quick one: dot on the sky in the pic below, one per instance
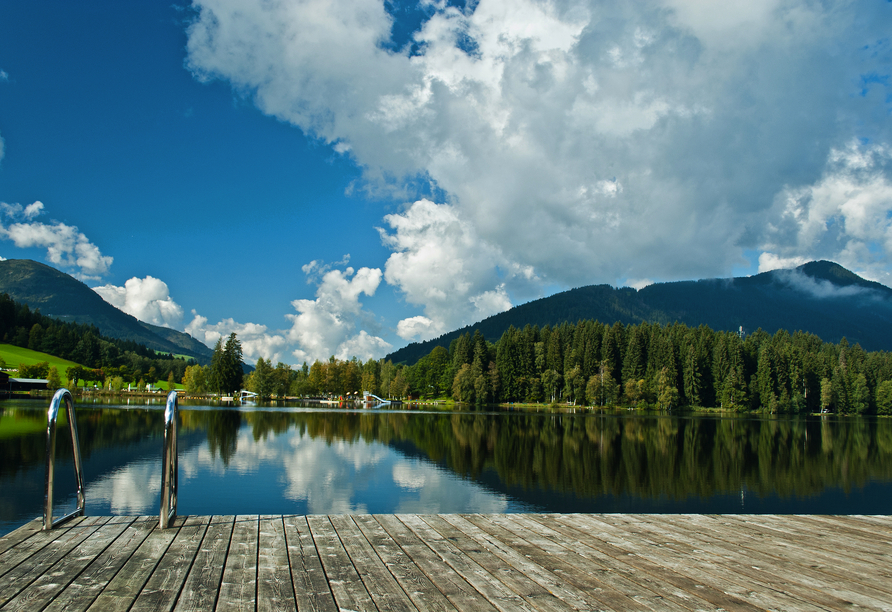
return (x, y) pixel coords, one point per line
(345, 177)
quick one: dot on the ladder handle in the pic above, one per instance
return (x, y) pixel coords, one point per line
(51, 415)
(169, 462)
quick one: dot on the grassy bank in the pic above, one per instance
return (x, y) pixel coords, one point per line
(14, 355)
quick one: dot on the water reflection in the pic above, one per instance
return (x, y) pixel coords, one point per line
(303, 460)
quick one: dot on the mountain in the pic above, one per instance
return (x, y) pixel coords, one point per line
(820, 297)
(60, 296)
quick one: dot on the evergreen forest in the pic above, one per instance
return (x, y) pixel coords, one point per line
(105, 358)
(645, 366)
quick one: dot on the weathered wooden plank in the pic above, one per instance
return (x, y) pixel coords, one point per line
(777, 559)
(238, 590)
(791, 549)
(203, 582)
(275, 590)
(561, 556)
(422, 592)
(556, 586)
(127, 583)
(672, 571)
(40, 592)
(383, 588)
(89, 584)
(859, 531)
(586, 583)
(663, 563)
(20, 535)
(614, 567)
(759, 578)
(166, 582)
(515, 580)
(311, 590)
(349, 591)
(879, 522)
(446, 541)
(762, 566)
(31, 567)
(819, 539)
(27, 547)
(455, 579)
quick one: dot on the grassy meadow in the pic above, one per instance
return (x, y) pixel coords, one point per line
(14, 355)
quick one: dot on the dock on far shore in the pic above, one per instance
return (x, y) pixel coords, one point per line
(480, 562)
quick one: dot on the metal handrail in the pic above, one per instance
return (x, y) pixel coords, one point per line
(169, 462)
(51, 415)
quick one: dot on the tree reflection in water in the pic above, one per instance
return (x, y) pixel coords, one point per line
(533, 457)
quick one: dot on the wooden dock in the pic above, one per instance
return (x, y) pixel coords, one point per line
(452, 562)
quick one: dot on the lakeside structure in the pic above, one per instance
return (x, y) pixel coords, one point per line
(451, 562)
(466, 561)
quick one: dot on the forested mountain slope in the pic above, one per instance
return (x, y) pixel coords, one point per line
(63, 297)
(819, 297)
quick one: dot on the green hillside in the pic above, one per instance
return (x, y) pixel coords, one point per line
(14, 355)
(820, 297)
(63, 297)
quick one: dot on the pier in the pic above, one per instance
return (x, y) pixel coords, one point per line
(451, 562)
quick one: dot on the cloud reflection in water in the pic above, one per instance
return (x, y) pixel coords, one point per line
(293, 472)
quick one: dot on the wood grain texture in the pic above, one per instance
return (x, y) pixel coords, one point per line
(311, 589)
(441, 563)
(203, 583)
(238, 590)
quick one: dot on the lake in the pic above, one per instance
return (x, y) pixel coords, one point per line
(281, 459)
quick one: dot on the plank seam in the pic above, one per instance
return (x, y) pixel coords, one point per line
(96, 556)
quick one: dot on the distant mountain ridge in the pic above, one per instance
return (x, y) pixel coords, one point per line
(63, 297)
(820, 297)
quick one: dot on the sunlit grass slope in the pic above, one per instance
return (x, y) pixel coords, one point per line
(14, 355)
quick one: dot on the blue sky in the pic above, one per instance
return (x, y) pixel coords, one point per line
(341, 178)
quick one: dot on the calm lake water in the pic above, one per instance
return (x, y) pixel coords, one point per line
(305, 460)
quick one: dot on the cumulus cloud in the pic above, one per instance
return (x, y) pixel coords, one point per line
(65, 245)
(440, 263)
(844, 216)
(148, 299)
(329, 324)
(257, 341)
(823, 288)
(576, 141)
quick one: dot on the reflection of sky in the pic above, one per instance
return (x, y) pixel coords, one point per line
(294, 473)
(131, 489)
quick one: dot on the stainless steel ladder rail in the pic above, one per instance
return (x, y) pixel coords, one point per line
(169, 462)
(52, 413)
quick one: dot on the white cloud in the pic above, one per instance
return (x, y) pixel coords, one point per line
(638, 283)
(256, 340)
(576, 141)
(148, 299)
(328, 325)
(441, 264)
(65, 245)
(824, 288)
(844, 216)
(770, 261)
(415, 327)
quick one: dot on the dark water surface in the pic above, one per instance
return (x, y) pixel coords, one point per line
(305, 460)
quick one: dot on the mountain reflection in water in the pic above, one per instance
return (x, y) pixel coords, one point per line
(303, 460)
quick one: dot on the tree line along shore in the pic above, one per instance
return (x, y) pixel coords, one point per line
(588, 363)
(645, 366)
